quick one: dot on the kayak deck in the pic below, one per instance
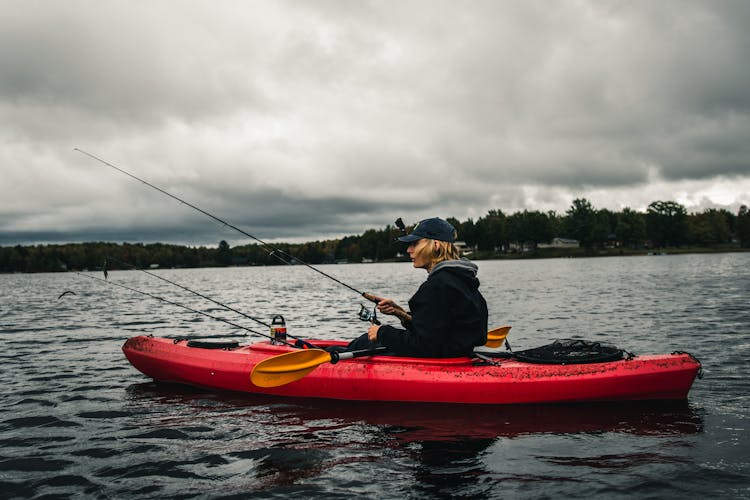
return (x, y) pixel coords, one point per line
(436, 380)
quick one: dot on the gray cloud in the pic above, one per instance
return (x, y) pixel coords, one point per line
(311, 120)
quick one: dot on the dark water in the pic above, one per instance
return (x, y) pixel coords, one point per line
(77, 420)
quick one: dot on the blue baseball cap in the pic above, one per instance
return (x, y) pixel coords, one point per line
(434, 229)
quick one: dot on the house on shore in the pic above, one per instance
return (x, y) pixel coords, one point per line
(462, 247)
(560, 243)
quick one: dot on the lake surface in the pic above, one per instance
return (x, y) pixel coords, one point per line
(76, 420)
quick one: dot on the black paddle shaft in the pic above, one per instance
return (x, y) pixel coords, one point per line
(338, 356)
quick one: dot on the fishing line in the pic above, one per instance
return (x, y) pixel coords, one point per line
(230, 308)
(187, 308)
(272, 250)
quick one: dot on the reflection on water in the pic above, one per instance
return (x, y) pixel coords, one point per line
(446, 446)
(441, 422)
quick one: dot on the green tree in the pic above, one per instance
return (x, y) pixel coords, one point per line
(743, 226)
(344, 248)
(311, 253)
(491, 231)
(466, 231)
(666, 223)
(603, 229)
(555, 224)
(710, 228)
(530, 227)
(224, 254)
(17, 259)
(371, 243)
(580, 222)
(630, 227)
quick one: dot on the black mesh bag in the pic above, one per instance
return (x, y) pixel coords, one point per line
(571, 352)
(207, 344)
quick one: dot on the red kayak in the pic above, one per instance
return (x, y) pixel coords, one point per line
(389, 378)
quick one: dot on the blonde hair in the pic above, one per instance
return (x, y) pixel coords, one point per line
(443, 251)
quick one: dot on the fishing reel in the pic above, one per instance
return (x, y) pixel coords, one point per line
(401, 227)
(371, 316)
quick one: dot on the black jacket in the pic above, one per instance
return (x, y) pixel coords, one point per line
(449, 315)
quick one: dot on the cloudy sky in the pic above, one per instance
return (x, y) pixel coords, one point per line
(307, 120)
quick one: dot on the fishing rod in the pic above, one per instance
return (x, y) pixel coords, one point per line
(190, 309)
(230, 308)
(276, 252)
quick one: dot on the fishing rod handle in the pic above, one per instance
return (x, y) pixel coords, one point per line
(397, 311)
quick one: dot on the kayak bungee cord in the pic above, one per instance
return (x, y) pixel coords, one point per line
(272, 250)
(275, 339)
(229, 308)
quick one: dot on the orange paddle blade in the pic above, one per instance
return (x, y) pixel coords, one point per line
(289, 367)
(496, 337)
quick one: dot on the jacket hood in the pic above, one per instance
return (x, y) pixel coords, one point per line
(462, 267)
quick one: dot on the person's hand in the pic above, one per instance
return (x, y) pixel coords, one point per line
(372, 333)
(388, 306)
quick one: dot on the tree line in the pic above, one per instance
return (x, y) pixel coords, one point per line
(665, 224)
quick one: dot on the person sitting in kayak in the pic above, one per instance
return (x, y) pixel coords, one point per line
(448, 313)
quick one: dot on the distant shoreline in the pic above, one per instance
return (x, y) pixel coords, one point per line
(34, 264)
(550, 253)
(666, 228)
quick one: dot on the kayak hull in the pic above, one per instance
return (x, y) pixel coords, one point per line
(388, 378)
